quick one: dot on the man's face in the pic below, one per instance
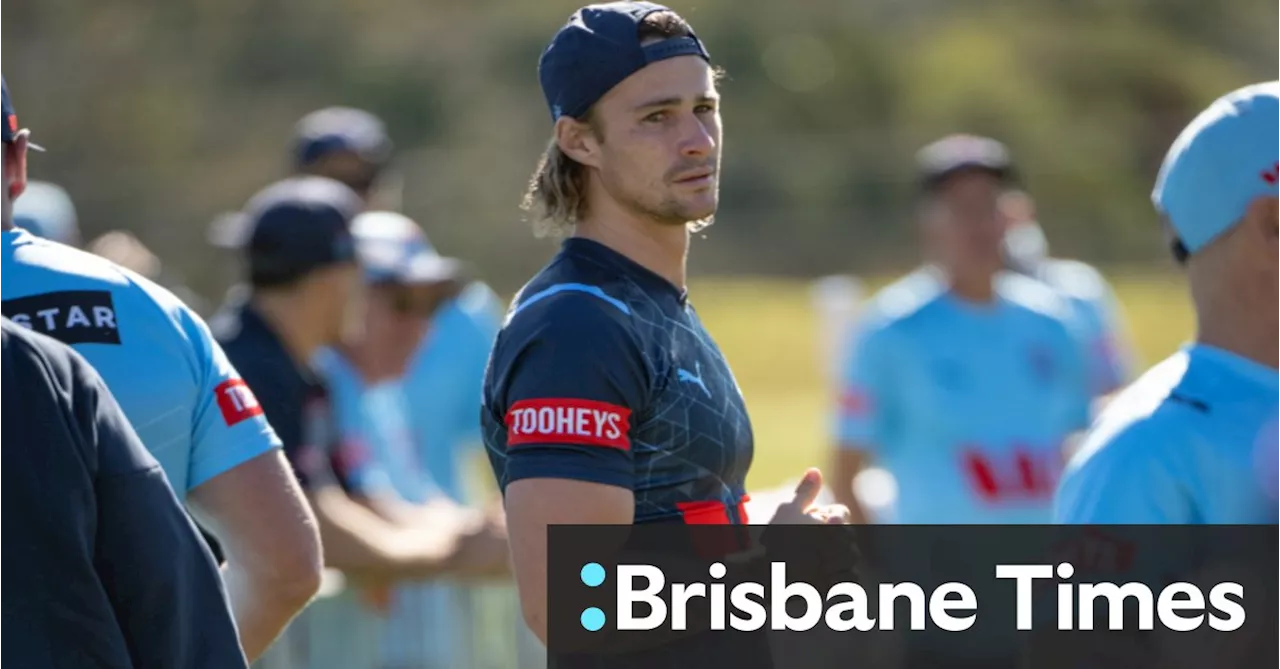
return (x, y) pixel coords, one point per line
(348, 168)
(398, 315)
(340, 291)
(964, 226)
(659, 141)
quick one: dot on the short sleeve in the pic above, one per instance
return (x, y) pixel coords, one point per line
(866, 397)
(479, 319)
(228, 425)
(1111, 351)
(570, 384)
(1078, 378)
(1124, 477)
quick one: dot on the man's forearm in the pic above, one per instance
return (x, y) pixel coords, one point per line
(261, 606)
(363, 545)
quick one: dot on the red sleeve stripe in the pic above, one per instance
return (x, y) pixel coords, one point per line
(855, 402)
(569, 421)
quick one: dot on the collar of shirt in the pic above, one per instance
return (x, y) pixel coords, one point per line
(254, 326)
(649, 280)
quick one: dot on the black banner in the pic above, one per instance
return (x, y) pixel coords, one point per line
(908, 597)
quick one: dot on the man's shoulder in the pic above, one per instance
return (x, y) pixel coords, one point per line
(558, 299)
(1149, 419)
(1033, 297)
(1075, 279)
(904, 300)
(44, 269)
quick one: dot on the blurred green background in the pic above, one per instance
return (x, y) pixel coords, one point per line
(771, 335)
(160, 115)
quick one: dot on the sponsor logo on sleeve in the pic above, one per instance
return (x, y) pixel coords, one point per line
(70, 316)
(568, 421)
(236, 401)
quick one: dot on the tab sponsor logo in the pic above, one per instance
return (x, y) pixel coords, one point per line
(568, 421)
(236, 401)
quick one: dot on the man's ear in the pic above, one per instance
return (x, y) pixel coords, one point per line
(1262, 216)
(578, 141)
(15, 166)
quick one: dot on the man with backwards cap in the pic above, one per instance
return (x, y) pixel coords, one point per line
(304, 294)
(188, 404)
(964, 380)
(604, 334)
(1194, 439)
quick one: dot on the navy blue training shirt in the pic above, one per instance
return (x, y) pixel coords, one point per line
(292, 396)
(102, 566)
(604, 373)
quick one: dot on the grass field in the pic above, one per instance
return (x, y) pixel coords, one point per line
(768, 329)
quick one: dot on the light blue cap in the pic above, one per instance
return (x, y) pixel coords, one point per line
(1222, 161)
(46, 210)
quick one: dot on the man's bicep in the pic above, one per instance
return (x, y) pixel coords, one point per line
(865, 400)
(229, 424)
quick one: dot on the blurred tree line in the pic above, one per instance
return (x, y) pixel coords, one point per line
(158, 116)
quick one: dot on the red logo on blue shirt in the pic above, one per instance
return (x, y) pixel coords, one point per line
(568, 421)
(236, 401)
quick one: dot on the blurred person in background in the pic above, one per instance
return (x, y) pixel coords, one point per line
(964, 380)
(416, 426)
(605, 331)
(1110, 352)
(1194, 439)
(304, 293)
(106, 568)
(441, 373)
(184, 398)
(46, 210)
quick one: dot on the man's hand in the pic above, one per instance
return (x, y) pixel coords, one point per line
(801, 510)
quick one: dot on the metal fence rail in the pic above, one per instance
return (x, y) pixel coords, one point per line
(487, 632)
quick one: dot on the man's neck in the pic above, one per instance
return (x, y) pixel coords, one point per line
(1241, 332)
(975, 287)
(288, 318)
(661, 248)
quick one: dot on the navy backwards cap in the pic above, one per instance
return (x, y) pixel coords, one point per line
(335, 129)
(962, 153)
(10, 121)
(297, 226)
(598, 48)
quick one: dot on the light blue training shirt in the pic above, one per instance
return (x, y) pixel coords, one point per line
(966, 405)
(184, 398)
(1193, 441)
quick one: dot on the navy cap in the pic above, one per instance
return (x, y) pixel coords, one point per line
(11, 128)
(1220, 163)
(297, 226)
(598, 48)
(963, 153)
(341, 129)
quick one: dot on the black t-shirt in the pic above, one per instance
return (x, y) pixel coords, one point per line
(102, 566)
(293, 398)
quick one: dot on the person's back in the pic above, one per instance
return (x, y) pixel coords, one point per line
(193, 412)
(1199, 430)
(103, 568)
